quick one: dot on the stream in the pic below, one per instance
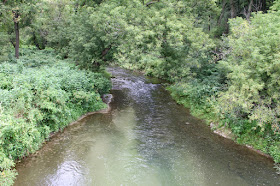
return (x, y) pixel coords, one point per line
(146, 139)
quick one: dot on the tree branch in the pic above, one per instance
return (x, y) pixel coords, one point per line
(151, 2)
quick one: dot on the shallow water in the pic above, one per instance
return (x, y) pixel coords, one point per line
(147, 139)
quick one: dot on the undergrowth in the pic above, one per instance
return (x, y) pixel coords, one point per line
(40, 94)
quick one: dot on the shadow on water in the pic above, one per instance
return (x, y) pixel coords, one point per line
(146, 139)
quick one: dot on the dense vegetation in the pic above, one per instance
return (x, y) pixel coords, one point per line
(221, 58)
(40, 94)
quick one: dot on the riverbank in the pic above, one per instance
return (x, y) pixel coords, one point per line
(200, 99)
(225, 127)
(106, 98)
(40, 95)
(201, 95)
(146, 139)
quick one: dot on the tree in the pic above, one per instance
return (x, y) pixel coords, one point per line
(240, 8)
(51, 25)
(16, 19)
(253, 71)
(22, 12)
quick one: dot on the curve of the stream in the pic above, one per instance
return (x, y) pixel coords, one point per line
(146, 139)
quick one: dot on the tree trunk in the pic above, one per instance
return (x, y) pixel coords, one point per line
(152, 2)
(16, 23)
(222, 12)
(209, 20)
(248, 15)
(232, 9)
(264, 6)
(105, 52)
(17, 41)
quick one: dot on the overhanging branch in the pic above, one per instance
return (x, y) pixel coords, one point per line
(151, 2)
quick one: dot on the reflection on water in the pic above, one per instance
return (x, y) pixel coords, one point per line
(147, 139)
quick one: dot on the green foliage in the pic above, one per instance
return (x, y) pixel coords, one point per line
(26, 10)
(155, 37)
(7, 175)
(197, 96)
(162, 41)
(232, 80)
(5, 46)
(253, 70)
(92, 37)
(42, 94)
(241, 92)
(247, 99)
(276, 6)
(88, 2)
(253, 92)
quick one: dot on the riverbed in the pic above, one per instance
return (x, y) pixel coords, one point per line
(146, 139)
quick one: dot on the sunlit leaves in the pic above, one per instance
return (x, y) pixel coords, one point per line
(253, 69)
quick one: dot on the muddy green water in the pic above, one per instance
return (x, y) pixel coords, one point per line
(147, 139)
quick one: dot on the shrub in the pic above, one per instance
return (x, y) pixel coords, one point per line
(41, 94)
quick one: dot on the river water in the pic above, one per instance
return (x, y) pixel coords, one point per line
(146, 139)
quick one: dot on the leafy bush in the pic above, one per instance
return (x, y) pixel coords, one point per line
(162, 41)
(253, 66)
(5, 46)
(40, 97)
(253, 72)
